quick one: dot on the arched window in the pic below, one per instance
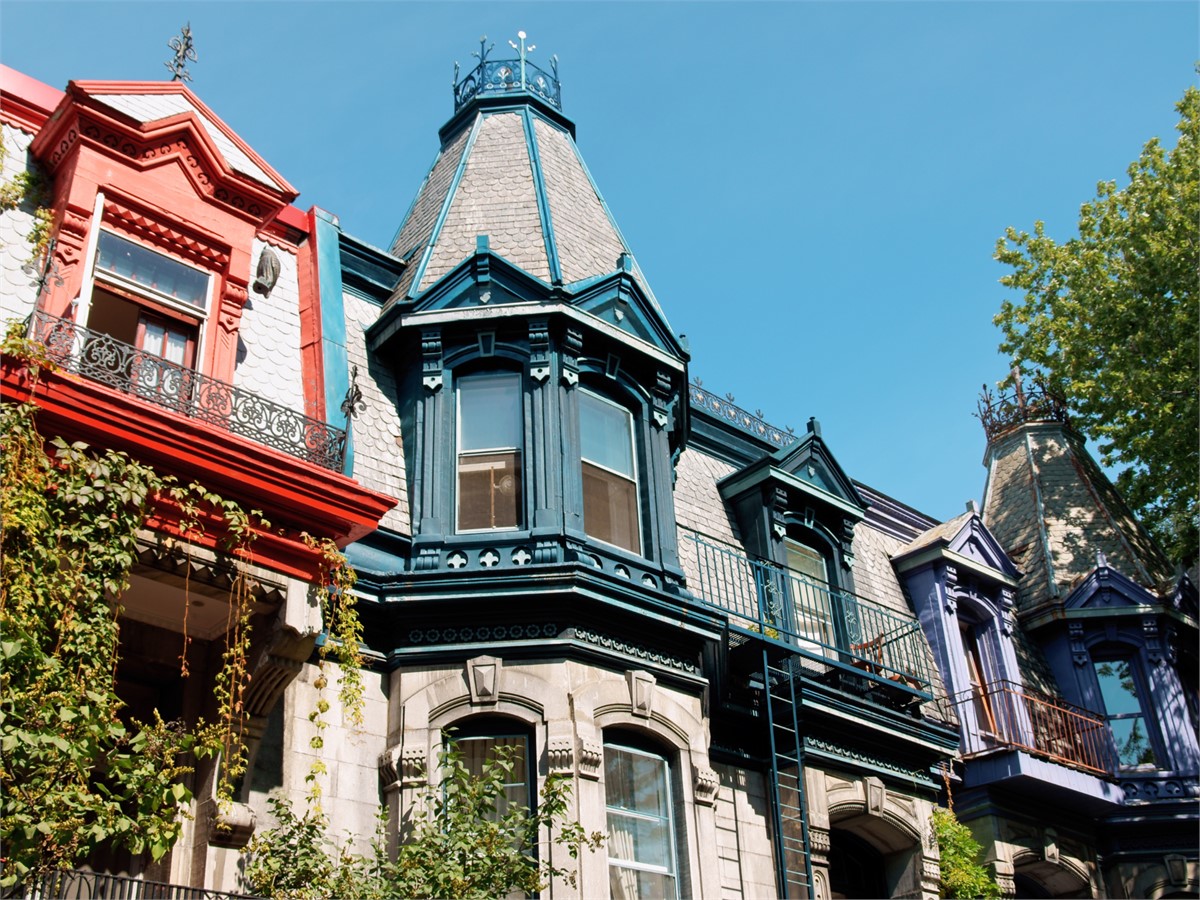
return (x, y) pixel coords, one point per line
(480, 740)
(610, 478)
(641, 826)
(490, 438)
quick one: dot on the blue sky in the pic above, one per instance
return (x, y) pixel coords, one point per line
(813, 190)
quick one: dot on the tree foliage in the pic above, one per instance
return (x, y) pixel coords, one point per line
(1110, 320)
(466, 841)
(963, 876)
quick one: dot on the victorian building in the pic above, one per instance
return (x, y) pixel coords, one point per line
(760, 675)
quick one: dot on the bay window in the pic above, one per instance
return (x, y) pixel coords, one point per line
(641, 830)
(490, 429)
(610, 484)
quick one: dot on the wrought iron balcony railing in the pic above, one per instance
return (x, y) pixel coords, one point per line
(99, 357)
(830, 629)
(1005, 715)
(80, 885)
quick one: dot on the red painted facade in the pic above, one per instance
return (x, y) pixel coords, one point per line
(167, 186)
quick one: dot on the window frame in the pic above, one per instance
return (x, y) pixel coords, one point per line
(1141, 693)
(150, 302)
(621, 743)
(634, 479)
(518, 451)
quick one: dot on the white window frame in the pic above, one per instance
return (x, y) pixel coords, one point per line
(672, 871)
(636, 479)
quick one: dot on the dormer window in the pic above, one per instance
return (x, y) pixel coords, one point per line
(146, 271)
(1123, 709)
(490, 428)
(808, 593)
(610, 485)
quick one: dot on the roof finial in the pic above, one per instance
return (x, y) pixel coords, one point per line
(522, 50)
(185, 52)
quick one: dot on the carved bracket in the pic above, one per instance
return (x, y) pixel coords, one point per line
(705, 784)
(560, 755)
(591, 755)
(1079, 653)
(571, 348)
(539, 349)
(431, 358)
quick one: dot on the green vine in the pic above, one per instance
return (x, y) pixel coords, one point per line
(29, 188)
(963, 875)
(76, 770)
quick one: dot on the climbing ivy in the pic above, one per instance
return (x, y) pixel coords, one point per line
(30, 189)
(76, 770)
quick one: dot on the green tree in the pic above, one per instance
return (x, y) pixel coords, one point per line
(465, 840)
(963, 876)
(1110, 320)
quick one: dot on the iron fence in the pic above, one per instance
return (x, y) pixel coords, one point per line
(1005, 715)
(101, 358)
(831, 628)
(81, 885)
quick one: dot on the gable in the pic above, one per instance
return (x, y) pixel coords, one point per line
(1106, 589)
(811, 461)
(976, 543)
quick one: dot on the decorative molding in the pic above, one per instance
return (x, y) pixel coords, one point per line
(483, 678)
(482, 634)
(661, 399)
(641, 693)
(812, 743)
(636, 650)
(1152, 788)
(1154, 644)
(431, 358)
(778, 510)
(950, 574)
(539, 349)
(560, 755)
(876, 795)
(705, 784)
(754, 425)
(591, 756)
(1079, 652)
(572, 346)
(151, 230)
(819, 840)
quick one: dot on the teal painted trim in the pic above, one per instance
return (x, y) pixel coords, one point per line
(333, 327)
(539, 188)
(451, 190)
(416, 197)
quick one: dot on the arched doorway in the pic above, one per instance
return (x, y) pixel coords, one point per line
(856, 869)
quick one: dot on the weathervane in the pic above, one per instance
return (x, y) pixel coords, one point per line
(185, 52)
(522, 50)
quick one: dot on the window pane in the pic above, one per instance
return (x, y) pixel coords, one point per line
(1116, 687)
(641, 839)
(145, 267)
(489, 491)
(630, 884)
(489, 413)
(806, 562)
(1133, 745)
(606, 434)
(610, 508)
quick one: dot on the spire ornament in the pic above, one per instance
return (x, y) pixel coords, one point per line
(495, 76)
(185, 52)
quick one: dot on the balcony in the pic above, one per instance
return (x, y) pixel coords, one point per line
(827, 630)
(1007, 716)
(100, 358)
(81, 885)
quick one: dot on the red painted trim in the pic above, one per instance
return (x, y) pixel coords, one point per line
(312, 359)
(294, 496)
(24, 101)
(100, 88)
(294, 218)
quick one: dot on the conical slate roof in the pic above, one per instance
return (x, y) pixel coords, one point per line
(509, 169)
(1053, 510)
